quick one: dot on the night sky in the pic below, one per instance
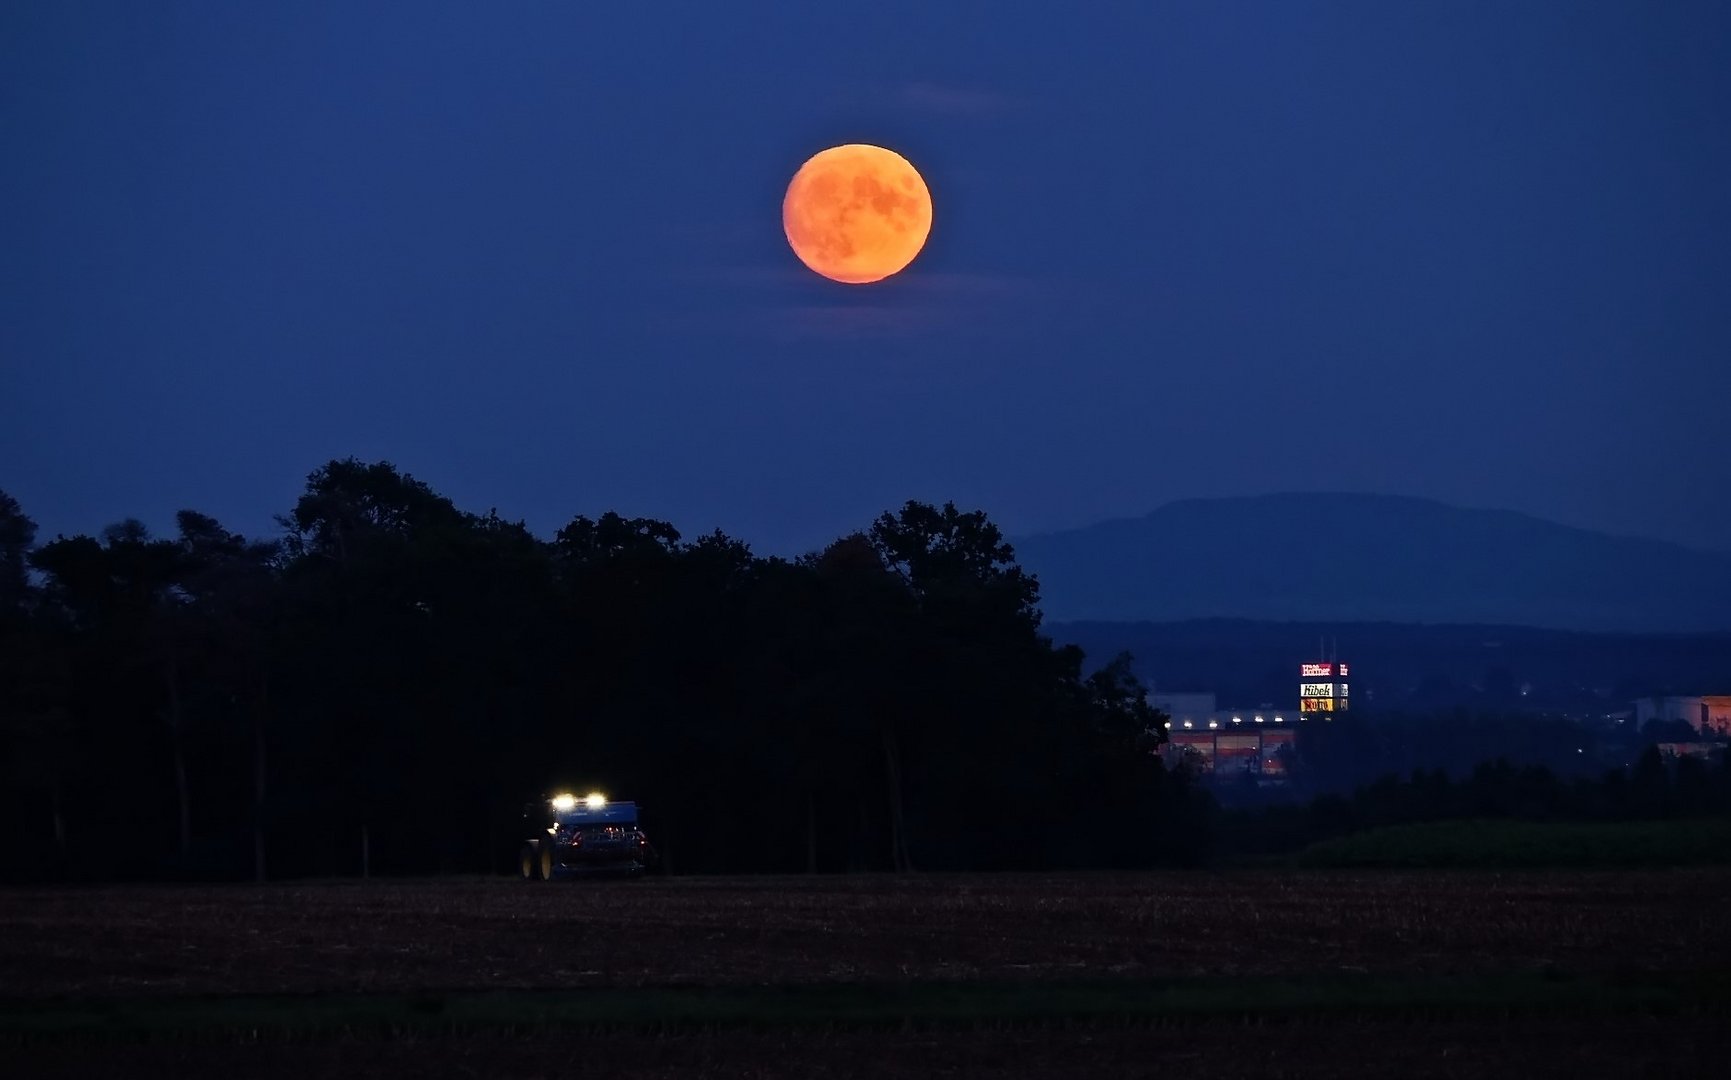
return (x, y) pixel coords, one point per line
(533, 255)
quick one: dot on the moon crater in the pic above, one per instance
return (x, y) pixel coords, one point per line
(857, 213)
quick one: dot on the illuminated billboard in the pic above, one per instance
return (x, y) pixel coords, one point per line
(1317, 704)
(1316, 671)
(1317, 689)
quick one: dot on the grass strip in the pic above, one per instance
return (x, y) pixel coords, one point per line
(1508, 845)
(855, 1006)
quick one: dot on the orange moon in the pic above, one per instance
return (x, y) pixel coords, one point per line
(857, 213)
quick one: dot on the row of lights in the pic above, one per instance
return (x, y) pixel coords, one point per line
(1212, 724)
(594, 801)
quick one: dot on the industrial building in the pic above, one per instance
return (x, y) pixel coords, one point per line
(1227, 742)
(1248, 742)
(1323, 690)
(1709, 715)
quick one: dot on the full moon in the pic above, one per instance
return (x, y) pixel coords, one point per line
(857, 213)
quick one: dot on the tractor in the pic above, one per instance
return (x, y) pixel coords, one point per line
(570, 837)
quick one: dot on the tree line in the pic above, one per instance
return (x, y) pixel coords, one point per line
(1652, 788)
(383, 687)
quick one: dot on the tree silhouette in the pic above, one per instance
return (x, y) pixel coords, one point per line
(383, 689)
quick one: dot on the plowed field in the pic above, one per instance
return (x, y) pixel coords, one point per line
(154, 959)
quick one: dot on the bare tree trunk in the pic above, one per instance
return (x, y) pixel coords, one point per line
(59, 820)
(899, 860)
(174, 733)
(810, 831)
(258, 775)
(859, 847)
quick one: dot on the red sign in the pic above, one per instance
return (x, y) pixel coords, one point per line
(1311, 671)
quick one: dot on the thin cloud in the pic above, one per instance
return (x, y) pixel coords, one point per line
(914, 279)
(789, 302)
(955, 100)
(837, 322)
(952, 284)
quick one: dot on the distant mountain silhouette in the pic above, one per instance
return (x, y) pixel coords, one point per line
(1373, 558)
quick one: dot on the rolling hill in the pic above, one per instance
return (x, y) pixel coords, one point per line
(1364, 558)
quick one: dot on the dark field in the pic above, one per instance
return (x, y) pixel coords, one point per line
(1528, 844)
(1367, 1049)
(1296, 973)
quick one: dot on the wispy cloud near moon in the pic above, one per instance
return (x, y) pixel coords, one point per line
(955, 100)
(831, 322)
(921, 305)
(787, 303)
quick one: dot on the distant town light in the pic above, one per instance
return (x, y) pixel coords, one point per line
(1186, 723)
(1213, 724)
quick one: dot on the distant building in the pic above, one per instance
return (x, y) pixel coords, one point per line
(1704, 750)
(1224, 743)
(1710, 715)
(1232, 743)
(1323, 690)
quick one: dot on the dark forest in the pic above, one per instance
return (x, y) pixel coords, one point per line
(383, 688)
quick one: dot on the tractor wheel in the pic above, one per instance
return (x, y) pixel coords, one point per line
(527, 862)
(545, 866)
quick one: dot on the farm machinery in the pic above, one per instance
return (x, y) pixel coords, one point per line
(571, 836)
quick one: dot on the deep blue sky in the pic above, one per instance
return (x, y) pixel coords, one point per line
(533, 254)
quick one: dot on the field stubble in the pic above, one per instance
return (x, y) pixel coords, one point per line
(400, 936)
(1552, 1047)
